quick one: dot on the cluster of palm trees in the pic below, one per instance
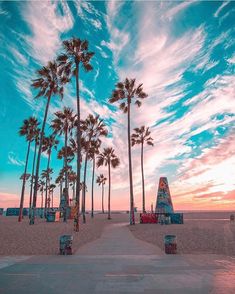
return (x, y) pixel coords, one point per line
(81, 139)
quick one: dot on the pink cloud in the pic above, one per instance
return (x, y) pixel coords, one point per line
(211, 157)
(196, 191)
(218, 196)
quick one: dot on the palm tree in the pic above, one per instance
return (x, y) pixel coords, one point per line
(59, 180)
(51, 191)
(93, 151)
(101, 179)
(63, 124)
(48, 143)
(140, 136)
(92, 129)
(24, 177)
(108, 158)
(126, 92)
(41, 185)
(49, 82)
(72, 180)
(35, 138)
(75, 54)
(28, 130)
(66, 152)
(46, 174)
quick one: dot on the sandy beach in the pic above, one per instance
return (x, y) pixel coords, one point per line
(201, 233)
(208, 233)
(42, 238)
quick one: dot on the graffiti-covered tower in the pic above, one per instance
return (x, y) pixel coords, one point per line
(164, 202)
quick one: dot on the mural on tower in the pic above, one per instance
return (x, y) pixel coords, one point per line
(164, 202)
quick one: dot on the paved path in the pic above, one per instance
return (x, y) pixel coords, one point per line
(118, 263)
(118, 240)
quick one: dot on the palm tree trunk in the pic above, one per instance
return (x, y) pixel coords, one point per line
(60, 190)
(142, 171)
(132, 214)
(92, 188)
(42, 204)
(109, 213)
(76, 215)
(66, 175)
(102, 198)
(32, 219)
(84, 191)
(52, 199)
(32, 176)
(73, 192)
(47, 184)
(23, 185)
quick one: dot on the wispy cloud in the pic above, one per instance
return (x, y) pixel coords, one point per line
(211, 157)
(13, 159)
(3, 12)
(46, 24)
(89, 14)
(172, 12)
(118, 38)
(224, 4)
(19, 57)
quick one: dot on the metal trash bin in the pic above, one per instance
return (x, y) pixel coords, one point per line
(66, 244)
(232, 218)
(170, 244)
(167, 220)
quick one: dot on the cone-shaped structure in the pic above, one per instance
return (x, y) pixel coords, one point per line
(164, 203)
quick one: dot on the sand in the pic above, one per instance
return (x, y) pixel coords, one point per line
(201, 233)
(42, 238)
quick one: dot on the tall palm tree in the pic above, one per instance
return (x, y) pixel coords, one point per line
(51, 193)
(140, 136)
(49, 82)
(76, 54)
(93, 151)
(63, 124)
(35, 138)
(66, 153)
(48, 143)
(92, 129)
(126, 93)
(101, 179)
(46, 174)
(60, 180)
(72, 180)
(28, 131)
(24, 177)
(41, 188)
(108, 158)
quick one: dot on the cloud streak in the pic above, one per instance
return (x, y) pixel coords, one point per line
(13, 159)
(46, 26)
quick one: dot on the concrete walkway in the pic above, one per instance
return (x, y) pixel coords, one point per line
(118, 263)
(117, 239)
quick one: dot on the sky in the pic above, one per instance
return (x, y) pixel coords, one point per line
(182, 52)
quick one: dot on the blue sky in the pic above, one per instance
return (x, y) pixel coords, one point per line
(182, 52)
